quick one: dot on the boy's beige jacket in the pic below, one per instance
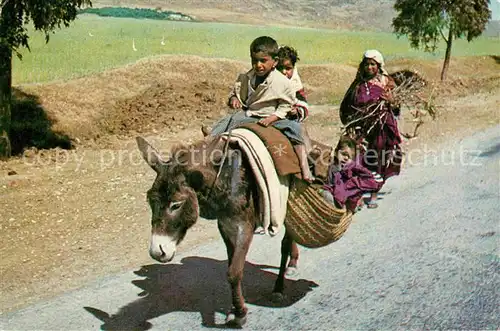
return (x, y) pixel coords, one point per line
(275, 96)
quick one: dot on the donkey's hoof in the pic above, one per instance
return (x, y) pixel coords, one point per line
(277, 297)
(234, 321)
(292, 271)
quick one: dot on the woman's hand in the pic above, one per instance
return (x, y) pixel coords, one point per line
(234, 103)
(387, 96)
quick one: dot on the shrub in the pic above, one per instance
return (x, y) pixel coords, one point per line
(139, 13)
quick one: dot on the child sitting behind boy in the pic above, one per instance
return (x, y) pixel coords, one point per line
(287, 58)
(266, 97)
(347, 178)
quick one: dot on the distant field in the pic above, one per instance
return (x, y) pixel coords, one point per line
(73, 52)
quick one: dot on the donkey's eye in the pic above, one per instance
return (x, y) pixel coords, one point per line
(174, 205)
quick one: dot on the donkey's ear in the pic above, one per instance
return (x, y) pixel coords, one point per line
(149, 154)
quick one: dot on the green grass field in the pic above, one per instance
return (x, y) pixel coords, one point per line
(73, 52)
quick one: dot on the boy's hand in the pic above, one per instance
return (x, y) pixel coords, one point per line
(268, 120)
(234, 103)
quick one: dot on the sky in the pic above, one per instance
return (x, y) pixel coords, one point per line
(495, 10)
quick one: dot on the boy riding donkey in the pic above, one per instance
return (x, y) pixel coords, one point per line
(265, 96)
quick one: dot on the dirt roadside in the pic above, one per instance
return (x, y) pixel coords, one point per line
(70, 217)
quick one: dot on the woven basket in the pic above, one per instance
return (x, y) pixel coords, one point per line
(311, 221)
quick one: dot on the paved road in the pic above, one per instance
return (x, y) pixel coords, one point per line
(427, 258)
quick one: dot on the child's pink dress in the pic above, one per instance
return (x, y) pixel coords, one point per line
(348, 184)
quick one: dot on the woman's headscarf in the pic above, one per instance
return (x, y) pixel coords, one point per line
(377, 56)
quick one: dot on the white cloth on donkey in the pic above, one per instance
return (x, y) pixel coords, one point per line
(273, 189)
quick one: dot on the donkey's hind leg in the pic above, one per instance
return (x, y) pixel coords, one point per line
(286, 246)
(237, 236)
(292, 268)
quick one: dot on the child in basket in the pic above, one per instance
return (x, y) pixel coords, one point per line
(347, 178)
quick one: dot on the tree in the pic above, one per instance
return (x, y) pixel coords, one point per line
(46, 16)
(425, 22)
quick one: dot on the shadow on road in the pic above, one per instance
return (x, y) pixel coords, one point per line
(492, 151)
(198, 284)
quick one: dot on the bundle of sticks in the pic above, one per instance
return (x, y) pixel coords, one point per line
(411, 93)
(368, 118)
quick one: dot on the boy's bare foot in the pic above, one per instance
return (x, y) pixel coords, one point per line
(300, 150)
(306, 173)
(308, 178)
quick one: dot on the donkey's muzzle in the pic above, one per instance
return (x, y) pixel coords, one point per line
(162, 248)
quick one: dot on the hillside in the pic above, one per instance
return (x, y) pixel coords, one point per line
(93, 110)
(348, 14)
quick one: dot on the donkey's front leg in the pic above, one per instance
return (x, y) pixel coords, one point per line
(286, 246)
(237, 237)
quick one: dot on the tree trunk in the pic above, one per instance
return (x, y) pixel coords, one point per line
(5, 100)
(447, 55)
(5, 88)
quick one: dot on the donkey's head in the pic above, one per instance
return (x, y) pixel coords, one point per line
(172, 199)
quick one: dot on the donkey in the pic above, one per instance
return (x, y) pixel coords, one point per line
(189, 185)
